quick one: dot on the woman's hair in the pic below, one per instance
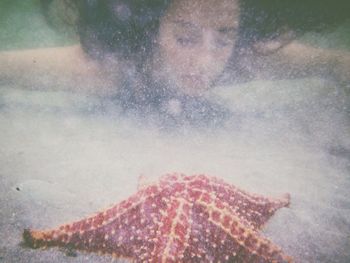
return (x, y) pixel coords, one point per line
(124, 26)
(266, 19)
(130, 26)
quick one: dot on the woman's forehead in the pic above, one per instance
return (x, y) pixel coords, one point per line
(205, 13)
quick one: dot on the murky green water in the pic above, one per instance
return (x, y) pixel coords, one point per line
(23, 26)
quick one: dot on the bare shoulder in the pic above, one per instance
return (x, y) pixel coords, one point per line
(56, 67)
(332, 61)
(298, 59)
(54, 58)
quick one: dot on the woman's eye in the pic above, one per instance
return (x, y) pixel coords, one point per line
(185, 41)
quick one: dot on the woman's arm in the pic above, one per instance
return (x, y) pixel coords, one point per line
(62, 68)
(39, 65)
(298, 59)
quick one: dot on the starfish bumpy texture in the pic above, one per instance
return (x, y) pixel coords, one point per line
(178, 219)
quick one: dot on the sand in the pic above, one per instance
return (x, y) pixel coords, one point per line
(61, 160)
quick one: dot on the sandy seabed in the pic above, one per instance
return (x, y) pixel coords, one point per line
(60, 162)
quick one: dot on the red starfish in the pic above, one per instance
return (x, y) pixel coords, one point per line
(179, 219)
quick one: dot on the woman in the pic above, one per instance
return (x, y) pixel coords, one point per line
(161, 56)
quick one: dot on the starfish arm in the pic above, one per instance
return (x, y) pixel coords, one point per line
(173, 232)
(115, 231)
(253, 208)
(234, 237)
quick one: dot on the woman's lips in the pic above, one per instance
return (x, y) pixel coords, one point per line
(195, 80)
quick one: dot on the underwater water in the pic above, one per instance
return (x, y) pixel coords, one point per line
(63, 156)
(59, 164)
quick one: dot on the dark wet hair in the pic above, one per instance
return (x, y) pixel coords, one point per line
(124, 26)
(266, 19)
(130, 26)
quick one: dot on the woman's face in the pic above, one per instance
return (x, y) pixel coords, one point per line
(196, 39)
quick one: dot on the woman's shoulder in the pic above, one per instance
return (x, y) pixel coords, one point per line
(66, 67)
(60, 57)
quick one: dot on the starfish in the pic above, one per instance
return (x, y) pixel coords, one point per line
(180, 218)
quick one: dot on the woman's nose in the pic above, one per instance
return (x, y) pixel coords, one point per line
(206, 55)
(206, 63)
